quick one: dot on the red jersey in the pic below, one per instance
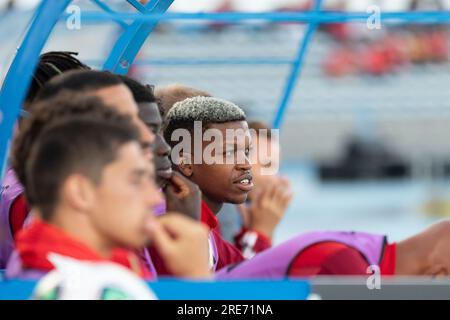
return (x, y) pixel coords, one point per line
(226, 252)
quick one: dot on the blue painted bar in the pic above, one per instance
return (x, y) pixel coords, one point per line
(296, 70)
(21, 70)
(231, 290)
(195, 62)
(325, 17)
(193, 290)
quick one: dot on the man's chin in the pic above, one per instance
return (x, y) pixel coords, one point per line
(238, 199)
(163, 177)
(161, 182)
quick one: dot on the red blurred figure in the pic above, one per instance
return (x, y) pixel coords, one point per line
(438, 46)
(340, 62)
(339, 31)
(375, 61)
(396, 50)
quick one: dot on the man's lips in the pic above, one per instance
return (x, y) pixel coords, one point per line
(164, 173)
(244, 182)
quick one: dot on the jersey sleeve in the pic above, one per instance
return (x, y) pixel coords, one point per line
(250, 242)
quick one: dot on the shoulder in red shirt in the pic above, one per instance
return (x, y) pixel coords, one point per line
(35, 242)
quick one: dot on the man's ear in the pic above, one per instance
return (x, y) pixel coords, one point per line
(79, 192)
(185, 166)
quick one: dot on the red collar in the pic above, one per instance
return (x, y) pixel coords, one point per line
(34, 242)
(208, 217)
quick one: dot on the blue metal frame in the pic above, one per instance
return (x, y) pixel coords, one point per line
(130, 42)
(20, 73)
(138, 6)
(322, 17)
(106, 8)
(296, 69)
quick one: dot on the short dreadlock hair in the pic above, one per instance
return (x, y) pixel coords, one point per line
(52, 64)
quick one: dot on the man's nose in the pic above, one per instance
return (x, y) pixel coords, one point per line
(162, 148)
(147, 137)
(244, 165)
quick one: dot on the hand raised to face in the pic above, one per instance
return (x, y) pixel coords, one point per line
(182, 243)
(183, 196)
